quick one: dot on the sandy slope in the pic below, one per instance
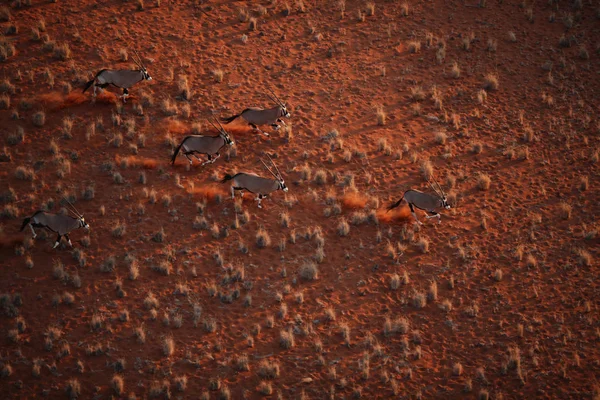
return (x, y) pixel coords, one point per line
(531, 332)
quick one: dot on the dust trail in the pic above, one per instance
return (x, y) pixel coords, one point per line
(397, 214)
(137, 162)
(177, 127)
(209, 192)
(56, 101)
(354, 200)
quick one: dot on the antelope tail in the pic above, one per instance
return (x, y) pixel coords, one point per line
(176, 152)
(394, 205)
(227, 178)
(25, 222)
(228, 120)
(87, 85)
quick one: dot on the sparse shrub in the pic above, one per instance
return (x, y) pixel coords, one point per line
(498, 275)
(404, 9)
(38, 119)
(483, 181)
(164, 268)
(343, 227)
(309, 271)
(423, 245)
(490, 82)
(262, 238)
(119, 229)
(159, 236)
(151, 301)
(397, 326)
(117, 385)
(62, 52)
(168, 346)
(24, 174)
(381, 116)
(455, 70)
(440, 138)
(419, 300)
(414, 46)
(181, 383)
(565, 210)
(73, 389)
(584, 183)
(286, 339)
(253, 24)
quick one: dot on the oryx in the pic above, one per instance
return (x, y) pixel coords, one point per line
(425, 201)
(256, 184)
(60, 224)
(209, 145)
(121, 78)
(258, 116)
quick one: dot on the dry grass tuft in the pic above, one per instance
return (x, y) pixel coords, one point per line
(262, 238)
(490, 82)
(168, 346)
(309, 271)
(343, 227)
(286, 339)
(381, 116)
(483, 181)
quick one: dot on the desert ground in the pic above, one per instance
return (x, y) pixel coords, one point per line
(178, 291)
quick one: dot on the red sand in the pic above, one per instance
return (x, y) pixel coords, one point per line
(514, 270)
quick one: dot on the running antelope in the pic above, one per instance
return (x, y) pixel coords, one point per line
(209, 145)
(256, 184)
(425, 201)
(121, 78)
(258, 116)
(59, 224)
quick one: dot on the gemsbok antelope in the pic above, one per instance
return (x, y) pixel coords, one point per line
(59, 224)
(256, 184)
(257, 116)
(209, 145)
(121, 78)
(425, 201)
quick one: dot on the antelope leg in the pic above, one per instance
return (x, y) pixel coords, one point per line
(412, 210)
(32, 231)
(189, 159)
(215, 159)
(275, 126)
(434, 215)
(69, 240)
(57, 242)
(259, 199)
(124, 96)
(282, 121)
(232, 192)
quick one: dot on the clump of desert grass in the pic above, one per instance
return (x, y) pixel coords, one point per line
(490, 82)
(262, 238)
(309, 271)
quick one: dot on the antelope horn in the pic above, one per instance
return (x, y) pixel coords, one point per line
(268, 169)
(434, 188)
(214, 126)
(73, 209)
(274, 95)
(277, 169)
(218, 122)
(139, 59)
(271, 98)
(439, 187)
